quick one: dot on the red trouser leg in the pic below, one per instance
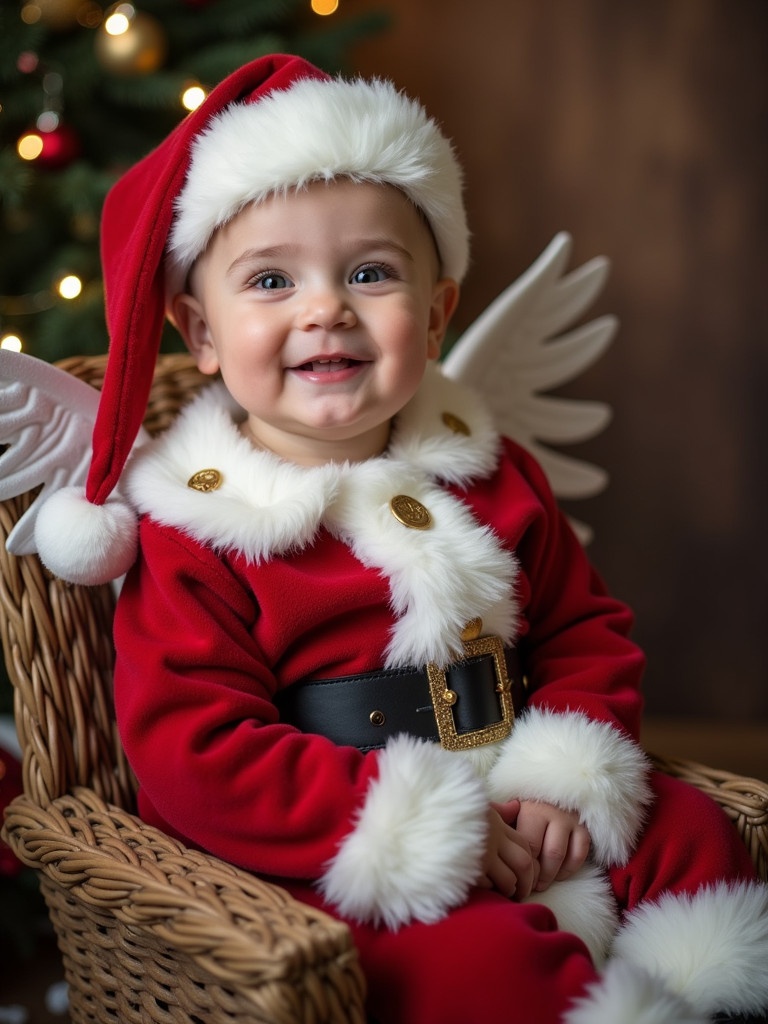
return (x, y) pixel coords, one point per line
(488, 961)
(687, 842)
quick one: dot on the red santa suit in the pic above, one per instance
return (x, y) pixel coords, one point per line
(279, 574)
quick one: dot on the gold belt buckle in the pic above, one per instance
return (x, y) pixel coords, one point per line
(443, 699)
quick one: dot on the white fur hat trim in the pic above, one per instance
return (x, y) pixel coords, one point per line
(319, 130)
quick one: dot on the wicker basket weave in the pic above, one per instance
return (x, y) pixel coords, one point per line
(149, 930)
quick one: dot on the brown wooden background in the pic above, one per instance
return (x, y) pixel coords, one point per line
(640, 126)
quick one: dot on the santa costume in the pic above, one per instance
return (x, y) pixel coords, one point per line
(325, 674)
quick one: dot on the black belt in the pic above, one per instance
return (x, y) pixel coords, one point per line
(471, 703)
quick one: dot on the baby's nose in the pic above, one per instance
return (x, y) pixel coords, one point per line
(327, 307)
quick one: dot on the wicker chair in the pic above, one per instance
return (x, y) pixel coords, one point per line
(150, 930)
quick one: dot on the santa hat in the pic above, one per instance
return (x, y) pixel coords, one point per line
(276, 124)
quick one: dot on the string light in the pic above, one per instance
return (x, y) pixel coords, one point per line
(119, 19)
(11, 342)
(325, 6)
(130, 41)
(69, 287)
(29, 146)
(192, 97)
(48, 121)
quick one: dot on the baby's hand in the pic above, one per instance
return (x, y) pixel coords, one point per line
(556, 838)
(508, 864)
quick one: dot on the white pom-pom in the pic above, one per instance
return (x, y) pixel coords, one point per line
(85, 543)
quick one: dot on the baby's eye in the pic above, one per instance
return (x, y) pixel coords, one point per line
(371, 274)
(271, 280)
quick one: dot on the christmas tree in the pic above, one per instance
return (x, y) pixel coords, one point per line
(86, 89)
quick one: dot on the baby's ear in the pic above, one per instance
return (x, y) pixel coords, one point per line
(189, 317)
(445, 298)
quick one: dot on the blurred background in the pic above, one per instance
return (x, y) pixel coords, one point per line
(640, 128)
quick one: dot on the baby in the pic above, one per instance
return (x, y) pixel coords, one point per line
(359, 648)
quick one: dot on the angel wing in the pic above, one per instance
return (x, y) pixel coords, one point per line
(46, 421)
(515, 350)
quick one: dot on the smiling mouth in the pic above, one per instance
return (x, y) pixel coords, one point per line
(328, 365)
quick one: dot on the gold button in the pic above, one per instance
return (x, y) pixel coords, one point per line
(472, 630)
(449, 697)
(377, 718)
(205, 480)
(457, 425)
(410, 512)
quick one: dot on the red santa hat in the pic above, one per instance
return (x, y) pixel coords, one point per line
(275, 124)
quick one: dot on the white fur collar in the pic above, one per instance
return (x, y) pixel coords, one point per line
(439, 578)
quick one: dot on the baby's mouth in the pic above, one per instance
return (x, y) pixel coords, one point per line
(327, 365)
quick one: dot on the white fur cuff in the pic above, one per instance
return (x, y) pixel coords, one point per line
(418, 843)
(578, 764)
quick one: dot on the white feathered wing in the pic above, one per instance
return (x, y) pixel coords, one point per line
(515, 350)
(46, 420)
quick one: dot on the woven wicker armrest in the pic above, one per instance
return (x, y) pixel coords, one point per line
(744, 800)
(273, 958)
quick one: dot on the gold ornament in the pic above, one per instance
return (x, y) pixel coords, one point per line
(130, 42)
(58, 15)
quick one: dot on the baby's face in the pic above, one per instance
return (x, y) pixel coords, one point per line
(321, 309)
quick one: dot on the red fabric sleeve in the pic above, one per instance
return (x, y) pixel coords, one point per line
(194, 706)
(576, 648)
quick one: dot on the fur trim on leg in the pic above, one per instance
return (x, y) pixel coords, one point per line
(627, 995)
(711, 948)
(584, 906)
